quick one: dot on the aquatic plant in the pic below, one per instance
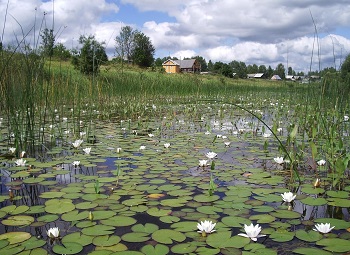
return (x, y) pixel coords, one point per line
(252, 232)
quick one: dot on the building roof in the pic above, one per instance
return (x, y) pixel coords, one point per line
(187, 63)
(276, 77)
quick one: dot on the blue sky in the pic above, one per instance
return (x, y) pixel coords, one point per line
(256, 32)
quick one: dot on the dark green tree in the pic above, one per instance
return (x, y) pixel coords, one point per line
(269, 72)
(280, 71)
(203, 62)
(262, 69)
(47, 42)
(91, 55)
(143, 50)
(61, 52)
(210, 66)
(239, 68)
(345, 68)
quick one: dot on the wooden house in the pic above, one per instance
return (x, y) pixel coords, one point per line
(185, 66)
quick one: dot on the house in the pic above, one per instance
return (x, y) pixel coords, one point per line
(276, 77)
(185, 66)
(255, 75)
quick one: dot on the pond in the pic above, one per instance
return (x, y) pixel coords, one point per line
(147, 183)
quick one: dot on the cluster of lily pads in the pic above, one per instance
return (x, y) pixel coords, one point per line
(145, 191)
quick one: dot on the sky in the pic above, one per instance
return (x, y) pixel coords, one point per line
(297, 33)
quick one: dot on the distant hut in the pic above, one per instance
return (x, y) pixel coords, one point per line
(276, 77)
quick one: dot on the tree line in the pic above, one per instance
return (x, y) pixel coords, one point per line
(134, 47)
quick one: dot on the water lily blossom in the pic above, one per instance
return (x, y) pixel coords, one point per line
(12, 150)
(323, 228)
(321, 162)
(142, 147)
(87, 150)
(150, 135)
(119, 150)
(266, 135)
(227, 144)
(252, 232)
(211, 155)
(53, 233)
(77, 143)
(20, 162)
(203, 162)
(206, 227)
(166, 145)
(288, 197)
(279, 160)
(346, 118)
(76, 163)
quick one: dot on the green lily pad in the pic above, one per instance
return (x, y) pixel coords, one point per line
(33, 243)
(48, 218)
(18, 220)
(311, 251)
(311, 236)
(98, 230)
(77, 237)
(147, 228)
(335, 244)
(52, 194)
(75, 215)
(154, 211)
(282, 235)
(59, 206)
(262, 218)
(15, 237)
(119, 221)
(68, 248)
(340, 202)
(167, 236)
(10, 250)
(225, 240)
(136, 237)
(183, 248)
(106, 240)
(158, 249)
(314, 201)
(36, 251)
(285, 214)
(235, 221)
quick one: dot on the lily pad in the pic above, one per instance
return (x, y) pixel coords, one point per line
(311, 251)
(168, 236)
(183, 248)
(225, 240)
(311, 236)
(59, 206)
(136, 237)
(68, 248)
(335, 244)
(106, 240)
(158, 249)
(18, 220)
(15, 237)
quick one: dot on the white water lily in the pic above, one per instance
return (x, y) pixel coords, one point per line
(12, 149)
(266, 135)
(227, 144)
(203, 162)
(166, 145)
(252, 232)
(151, 135)
(142, 147)
(87, 150)
(76, 163)
(53, 233)
(206, 227)
(77, 143)
(279, 160)
(288, 197)
(346, 118)
(211, 155)
(20, 162)
(279, 130)
(119, 150)
(321, 162)
(207, 133)
(323, 228)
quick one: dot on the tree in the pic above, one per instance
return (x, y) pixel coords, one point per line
(61, 52)
(91, 55)
(239, 68)
(143, 50)
(345, 68)
(210, 65)
(269, 72)
(203, 62)
(125, 43)
(47, 42)
(280, 71)
(262, 69)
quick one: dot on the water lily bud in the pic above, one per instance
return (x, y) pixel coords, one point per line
(91, 216)
(317, 183)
